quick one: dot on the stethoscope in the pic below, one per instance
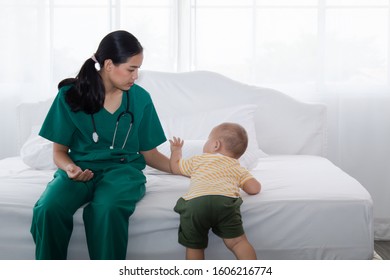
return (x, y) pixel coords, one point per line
(95, 136)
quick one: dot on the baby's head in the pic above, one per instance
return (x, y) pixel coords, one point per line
(229, 139)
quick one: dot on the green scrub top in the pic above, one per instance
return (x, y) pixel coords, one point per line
(74, 129)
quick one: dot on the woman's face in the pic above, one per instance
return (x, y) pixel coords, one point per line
(123, 76)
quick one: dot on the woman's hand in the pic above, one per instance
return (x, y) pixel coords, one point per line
(63, 161)
(76, 173)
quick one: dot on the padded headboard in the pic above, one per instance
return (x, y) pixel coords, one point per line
(283, 124)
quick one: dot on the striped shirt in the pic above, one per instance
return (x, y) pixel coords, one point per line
(214, 174)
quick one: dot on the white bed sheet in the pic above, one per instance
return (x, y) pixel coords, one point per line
(308, 209)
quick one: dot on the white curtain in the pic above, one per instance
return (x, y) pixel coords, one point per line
(331, 51)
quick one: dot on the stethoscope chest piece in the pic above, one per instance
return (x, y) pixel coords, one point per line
(95, 137)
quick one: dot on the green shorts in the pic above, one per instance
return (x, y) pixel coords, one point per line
(219, 213)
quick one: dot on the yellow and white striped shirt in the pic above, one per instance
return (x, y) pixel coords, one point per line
(214, 174)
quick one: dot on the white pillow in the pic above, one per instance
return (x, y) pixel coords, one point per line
(37, 152)
(197, 128)
(199, 125)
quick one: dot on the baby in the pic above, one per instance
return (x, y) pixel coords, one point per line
(213, 200)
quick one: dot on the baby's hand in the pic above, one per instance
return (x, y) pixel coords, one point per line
(176, 144)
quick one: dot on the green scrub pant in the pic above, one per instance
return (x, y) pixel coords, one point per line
(111, 196)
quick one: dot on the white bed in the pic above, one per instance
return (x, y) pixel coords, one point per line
(308, 207)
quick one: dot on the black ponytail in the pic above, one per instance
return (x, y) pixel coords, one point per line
(87, 92)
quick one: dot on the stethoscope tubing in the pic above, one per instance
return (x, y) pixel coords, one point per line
(95, 136)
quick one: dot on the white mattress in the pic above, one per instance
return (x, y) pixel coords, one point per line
(308, 209)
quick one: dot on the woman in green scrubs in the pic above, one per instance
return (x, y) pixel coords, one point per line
(105, 129)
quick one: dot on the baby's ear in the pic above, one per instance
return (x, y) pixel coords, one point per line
(217, 145)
